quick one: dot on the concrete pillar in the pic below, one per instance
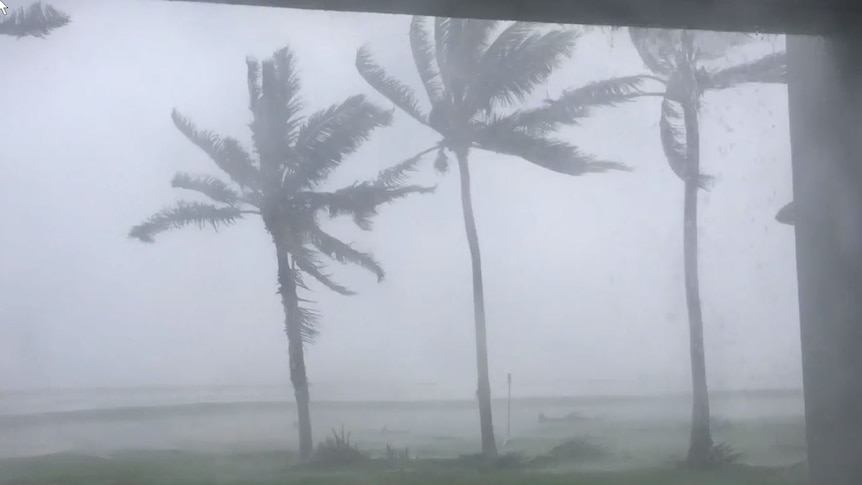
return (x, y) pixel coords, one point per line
(825, 93)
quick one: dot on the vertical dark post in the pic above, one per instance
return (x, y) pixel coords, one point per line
(825, 94)
(509, 407)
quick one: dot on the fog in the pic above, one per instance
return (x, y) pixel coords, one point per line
(583, 275)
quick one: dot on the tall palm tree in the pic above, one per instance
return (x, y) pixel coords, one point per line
(37, 20)
(471, 70)
(280, 186)
(681, 61)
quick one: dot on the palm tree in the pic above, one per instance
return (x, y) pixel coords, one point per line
(679, 60)
(294, 156)
(471, 70)
(37, 20)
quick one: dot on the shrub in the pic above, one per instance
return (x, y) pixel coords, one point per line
(337, 450)
(397, 454)
(722, 454)
(572, 451)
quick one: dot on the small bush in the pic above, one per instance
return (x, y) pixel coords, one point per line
(576, 449)
(722, 454)
(397, 454)
(337, 450)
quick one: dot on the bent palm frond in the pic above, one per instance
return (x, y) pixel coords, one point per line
(554, 155)
(343, 252)
(225, 152)
(280, 86)
(516, 62)
(211, 187)
(575, 103)
(185, 214)
(673, 141)
(308, 261)
(330, 135)
(36, 20)
(306, 319)
(423, 56)
(361, 200)
(657, 48)
(394, 90)
(768, 69)
(399, 173)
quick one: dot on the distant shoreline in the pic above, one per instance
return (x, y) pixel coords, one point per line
(163, 410)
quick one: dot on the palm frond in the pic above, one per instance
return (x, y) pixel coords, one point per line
(519, 59)
(309, 323)
(441, 162)
(445, 35)
(303, 319)
(211, 187)
(787, 214)
(280, 85)
(547, 153)
(360, 200)
(392, 89)
(575, 103)
(657, 48)
(185, 214)
(768, 69)
(712, 45)
(254, 89)
(673, 136)
(423, 56)
(398, 174)
(541, 121)
(276, 114)
(673, 141)
(572, 106)
(36, 20)
(309, 263)
(475, 41)
(329, 135)
(226, 153)
(464, 42)
(344, 253)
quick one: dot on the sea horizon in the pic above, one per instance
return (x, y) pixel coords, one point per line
(59, 401)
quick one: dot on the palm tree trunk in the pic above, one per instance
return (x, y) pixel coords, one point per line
(700, 445)
(483, 392)
(296, 352)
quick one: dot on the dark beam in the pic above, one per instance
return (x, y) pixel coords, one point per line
(825, 115)
(768, 16)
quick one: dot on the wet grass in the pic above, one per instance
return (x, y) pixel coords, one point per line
(270, 468)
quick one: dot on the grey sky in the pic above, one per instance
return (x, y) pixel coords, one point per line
(583, 275)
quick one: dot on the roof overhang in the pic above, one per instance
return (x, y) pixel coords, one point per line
(819, 17)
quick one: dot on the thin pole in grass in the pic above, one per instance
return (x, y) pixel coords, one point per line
(509, 408)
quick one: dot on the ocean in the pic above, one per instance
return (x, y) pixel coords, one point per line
(766, 424)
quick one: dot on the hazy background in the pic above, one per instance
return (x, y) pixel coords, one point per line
(583, 275)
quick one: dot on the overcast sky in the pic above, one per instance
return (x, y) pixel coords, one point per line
(583, 276)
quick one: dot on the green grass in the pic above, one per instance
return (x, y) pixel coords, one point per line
(270, 468)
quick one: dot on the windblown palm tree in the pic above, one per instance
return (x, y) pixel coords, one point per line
(294, 156)
(471, 70)
(680, 59)
(37, 20)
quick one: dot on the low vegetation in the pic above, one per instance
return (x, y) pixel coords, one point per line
(337, 451)
(270, 468)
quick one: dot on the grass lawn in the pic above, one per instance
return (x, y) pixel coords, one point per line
(181, 468)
